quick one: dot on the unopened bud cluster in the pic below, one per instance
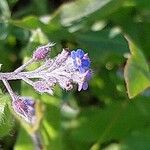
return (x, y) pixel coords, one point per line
(67, 69)
(25, 107)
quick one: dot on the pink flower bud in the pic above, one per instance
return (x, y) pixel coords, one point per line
(42, 52)
(24, 107)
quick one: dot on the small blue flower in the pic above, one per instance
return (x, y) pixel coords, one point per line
(81, 60)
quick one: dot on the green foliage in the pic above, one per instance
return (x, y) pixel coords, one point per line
(6, 120)
(4, 9)
(102, 117)
(23, 141)
(136, 65)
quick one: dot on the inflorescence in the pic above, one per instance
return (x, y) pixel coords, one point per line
(66, 69)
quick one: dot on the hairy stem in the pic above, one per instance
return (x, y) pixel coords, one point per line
(9, 89)
(21, 68)
(19, 76)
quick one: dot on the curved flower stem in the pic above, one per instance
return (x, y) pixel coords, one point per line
(9, 89)
(24, 66)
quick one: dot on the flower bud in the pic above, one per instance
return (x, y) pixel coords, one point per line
(43, 87)
(24, 107)
(42, 52)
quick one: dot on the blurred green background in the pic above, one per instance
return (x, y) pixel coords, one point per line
(103, 117)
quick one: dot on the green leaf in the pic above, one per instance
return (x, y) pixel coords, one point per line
(6, 119)
(136, 72)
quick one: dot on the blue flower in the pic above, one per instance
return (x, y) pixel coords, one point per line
(81, 60)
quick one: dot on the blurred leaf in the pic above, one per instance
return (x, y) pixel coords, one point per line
(3, 30)
(40, 8)
(4, 9)
(37, 38)
(100, 45)
(134, 25)
(137, 140)
(30, 22)
(142, 4)
(139, 33)
(8, 58)
(113, 122)
(94, 10)
(112, 146)
(24, 141)
(51, 124)
(88, 9)
(12, 2)
(52, 27)
(136, 72)
(0, 66)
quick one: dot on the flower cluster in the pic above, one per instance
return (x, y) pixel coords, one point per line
(81, 61)
(67, 69)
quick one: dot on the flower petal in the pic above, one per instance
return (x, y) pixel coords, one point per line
(75, 63)
(81, 69)
(30, 102)
(88, 75)
(80, 86)
(73, 54)
(85, 86)
(86, 63)
(79, 53)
